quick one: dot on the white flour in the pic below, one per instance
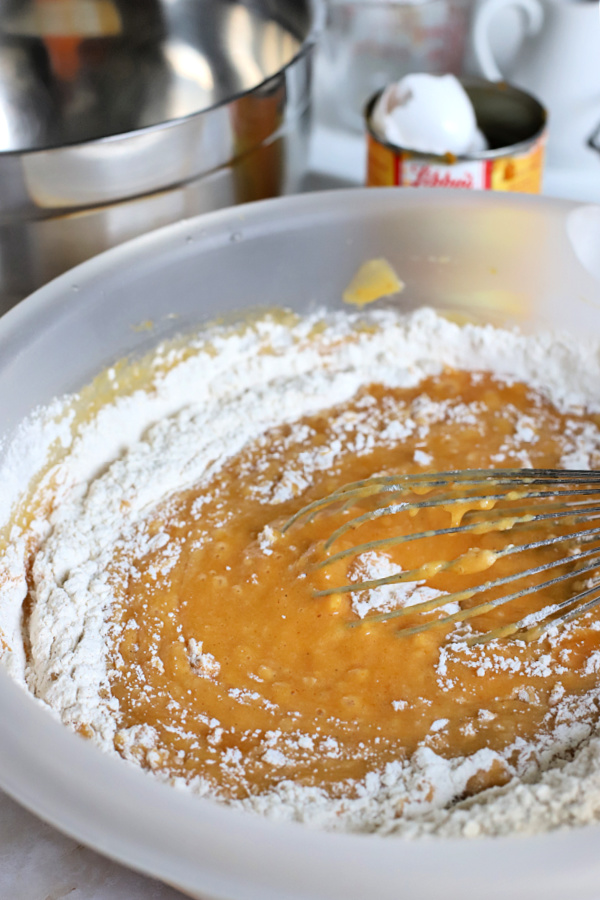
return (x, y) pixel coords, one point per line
(148, 445)
(370, 566)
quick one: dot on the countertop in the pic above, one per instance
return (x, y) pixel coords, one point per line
(36, 861)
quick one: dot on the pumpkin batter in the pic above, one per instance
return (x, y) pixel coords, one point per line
(227, 666)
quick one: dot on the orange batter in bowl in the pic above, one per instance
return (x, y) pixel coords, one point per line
(227, 668)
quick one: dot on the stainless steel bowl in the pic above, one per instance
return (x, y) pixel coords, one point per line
(118, 116)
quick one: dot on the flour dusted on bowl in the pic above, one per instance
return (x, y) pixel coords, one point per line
(151, 601)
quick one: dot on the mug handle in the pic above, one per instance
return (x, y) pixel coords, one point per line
(533, 14)
(594, 139)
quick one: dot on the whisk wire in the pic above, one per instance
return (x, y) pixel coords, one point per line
(517, 478)
(474, 611)
(511, 522)
(467, 593)
(530, 628)
(566, 498)
(455, 501)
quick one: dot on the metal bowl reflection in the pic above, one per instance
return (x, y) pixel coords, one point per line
(118, 116)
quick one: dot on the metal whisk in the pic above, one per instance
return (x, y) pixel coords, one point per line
(480, 501)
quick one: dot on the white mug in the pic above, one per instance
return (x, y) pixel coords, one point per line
(558, 61)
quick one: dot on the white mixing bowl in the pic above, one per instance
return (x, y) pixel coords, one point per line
(508, 259)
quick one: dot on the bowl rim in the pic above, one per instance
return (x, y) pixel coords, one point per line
(306, 47)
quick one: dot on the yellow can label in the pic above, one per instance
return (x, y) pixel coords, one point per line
(520, 172)
(382, 164)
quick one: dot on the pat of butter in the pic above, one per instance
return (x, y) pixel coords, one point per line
(375, 278)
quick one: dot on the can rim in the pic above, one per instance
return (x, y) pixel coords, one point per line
(482, 155)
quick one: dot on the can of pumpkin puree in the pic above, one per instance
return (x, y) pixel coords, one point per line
(515, 126)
